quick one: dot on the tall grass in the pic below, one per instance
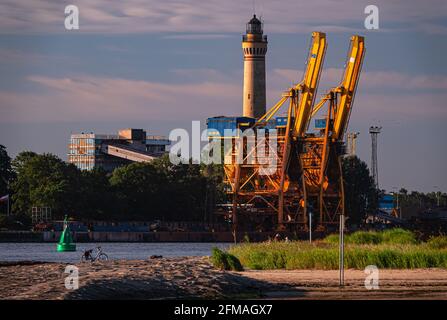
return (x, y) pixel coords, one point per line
(437, 242)
(394, 249)
(392, 236)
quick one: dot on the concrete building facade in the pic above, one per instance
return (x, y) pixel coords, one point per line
(254, 47)
(109, 151)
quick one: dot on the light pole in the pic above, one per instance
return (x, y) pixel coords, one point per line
(310, 226)
(420, 201)
(437, 194)
(397, 201)
(374, 131)
(342, 250)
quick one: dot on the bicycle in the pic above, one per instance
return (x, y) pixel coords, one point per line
(99, 256)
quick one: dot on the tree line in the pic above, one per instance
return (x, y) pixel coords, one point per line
(158, 190)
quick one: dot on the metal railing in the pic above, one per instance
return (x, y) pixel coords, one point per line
(245, 38)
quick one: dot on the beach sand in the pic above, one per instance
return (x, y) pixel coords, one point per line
(195, 277)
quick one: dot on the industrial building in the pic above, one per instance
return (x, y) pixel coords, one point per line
(109, 151)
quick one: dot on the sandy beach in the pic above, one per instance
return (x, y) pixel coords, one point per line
(195, 277)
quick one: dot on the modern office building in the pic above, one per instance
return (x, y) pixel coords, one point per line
(109, 151)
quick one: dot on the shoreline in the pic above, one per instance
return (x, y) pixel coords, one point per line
(196, 278)
(133, 236)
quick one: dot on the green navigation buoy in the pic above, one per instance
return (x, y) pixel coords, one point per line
(66, 241)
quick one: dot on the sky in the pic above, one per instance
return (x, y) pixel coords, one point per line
(158, 65)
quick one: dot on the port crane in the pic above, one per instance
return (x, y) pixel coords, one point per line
(321, 154)
(307, 175)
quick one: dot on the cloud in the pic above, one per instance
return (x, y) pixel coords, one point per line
(89, 98)
(206, 75)
(217, 17)
(41, 119)
(203, 93)
(21, 56)
(414, 108)
(371, 79)
(435, 29)
(199, 36)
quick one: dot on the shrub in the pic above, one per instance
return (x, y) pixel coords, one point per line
(332, 238)
(225, 261)
(392, 236)
(219, 259)
(358, 237)
(362, 237)
(398, 236)
(234, 263)
(439, 242)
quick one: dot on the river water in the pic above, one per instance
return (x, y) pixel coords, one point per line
(127, 251)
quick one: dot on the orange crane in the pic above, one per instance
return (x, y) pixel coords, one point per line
(302, 98)
(255, 194)
(321, 156)
(307, 173)
(347, 88)
(307, 88)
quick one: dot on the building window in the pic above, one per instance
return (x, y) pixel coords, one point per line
(248, 96)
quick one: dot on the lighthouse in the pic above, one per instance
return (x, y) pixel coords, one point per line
(254, 46)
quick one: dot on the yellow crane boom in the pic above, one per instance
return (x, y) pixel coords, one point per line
(348, 87)
(308, 87)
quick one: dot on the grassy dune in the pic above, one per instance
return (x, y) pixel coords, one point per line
(397, 249)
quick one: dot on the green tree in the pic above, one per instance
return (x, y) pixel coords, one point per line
(96, 197)
(214, 190)
(193, 189)
(20, 160)
(360, 192)
(45, 181)
(415, 203)
(188, 186)
(6, 173)
(138, 188)
(21, 196)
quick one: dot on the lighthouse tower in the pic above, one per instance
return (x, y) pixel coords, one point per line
(254, 46)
